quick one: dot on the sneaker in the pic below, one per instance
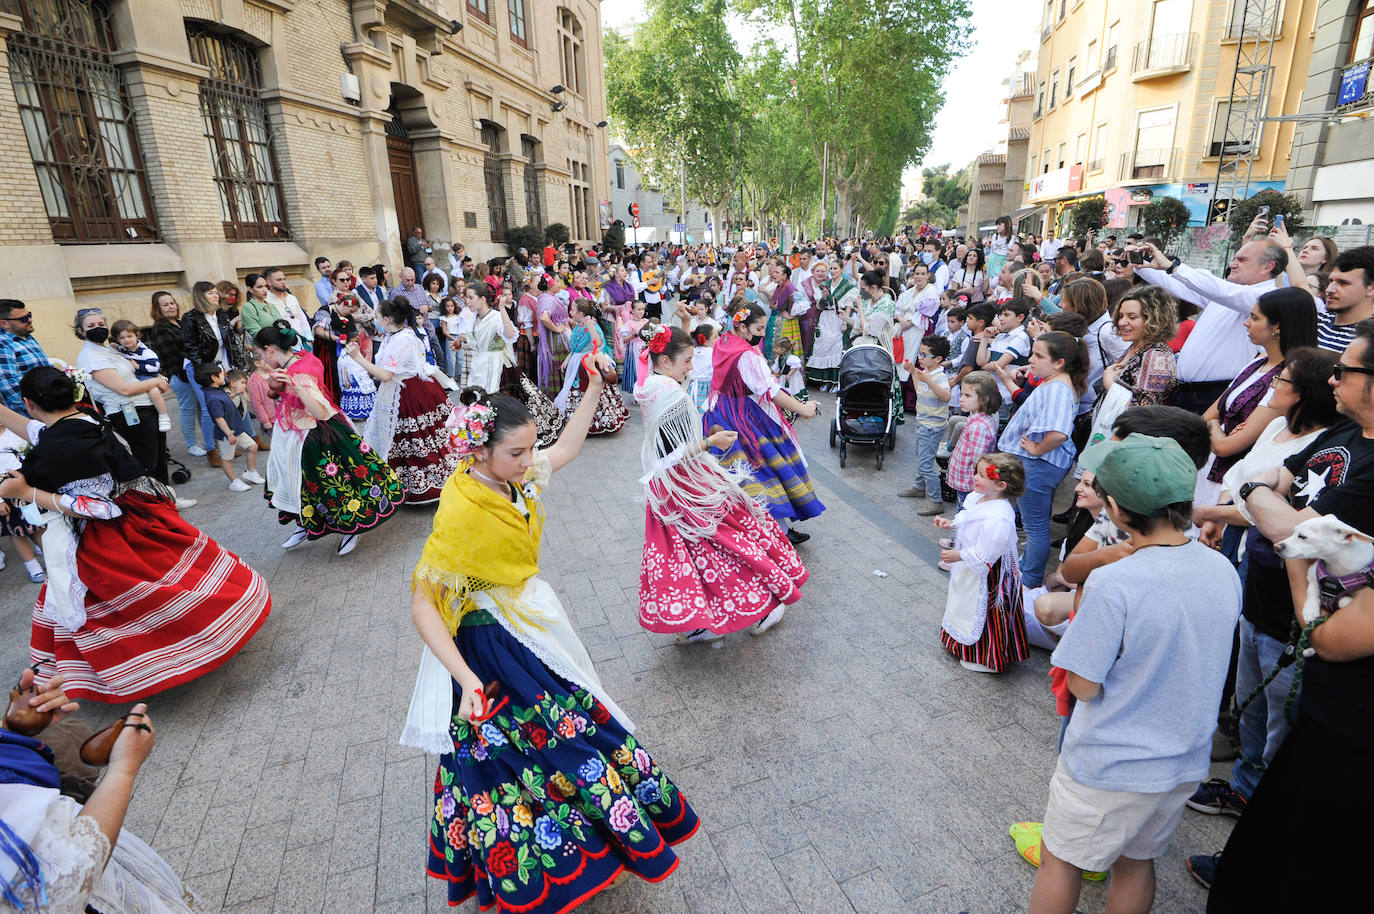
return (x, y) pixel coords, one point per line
(698, 636)
(912, 492)
(251, 476)
(947, 542)
(1203, 869)
(796, 537)
(944, 566)
(296, 538)
(348, 543)
(38, 577)
(767, 621)
(1215, 797)
(942, 450)
(976, 667)
(1027, 838)
(184, 503)
(930, 509)
(238, 485)
(164, 423)
(195, 450)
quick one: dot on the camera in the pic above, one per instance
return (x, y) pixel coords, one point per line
(1264, 211)
(1136, 257)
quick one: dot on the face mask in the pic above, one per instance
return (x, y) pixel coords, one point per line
(927, 258)
(754, 339)
(98, 335)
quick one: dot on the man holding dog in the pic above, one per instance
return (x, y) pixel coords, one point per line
(1314, 784)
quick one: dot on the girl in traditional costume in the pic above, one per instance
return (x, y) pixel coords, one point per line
(543, 797)
(587, 339)
(551, 322)
(983, 624)
(406, 428)
(714, 560)
(321, 476)
(746, 398)
(137, 600)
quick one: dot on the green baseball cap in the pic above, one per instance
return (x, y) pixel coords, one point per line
(1141, 472)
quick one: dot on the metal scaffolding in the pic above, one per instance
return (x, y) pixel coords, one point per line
(1257, 30)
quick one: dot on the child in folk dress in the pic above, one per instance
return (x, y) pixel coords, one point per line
(715, 561)
(787, 368)
(704, 337)
(983, 626)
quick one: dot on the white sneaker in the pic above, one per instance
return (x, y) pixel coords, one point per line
(698, 636)
(36, 575)
(768, 621)
(195, 450)
(164, 423)
(238, 485)
(296, 538)
(184, 503)
(251, 476)
(348, 543)
(2, 560)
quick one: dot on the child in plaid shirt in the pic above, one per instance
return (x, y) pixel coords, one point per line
(980, 399)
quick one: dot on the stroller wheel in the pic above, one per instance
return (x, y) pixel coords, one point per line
(834, 426)
(844, 452)
(180, 476)
(892, 440)
(880, 458)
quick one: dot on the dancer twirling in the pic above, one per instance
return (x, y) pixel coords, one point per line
(320, 475)
(542, 796)
(137, 600)
(714, 560)
(587, 339)
(746, 398)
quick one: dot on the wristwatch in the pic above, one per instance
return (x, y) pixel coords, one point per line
(1245, 490)
(1173, 266)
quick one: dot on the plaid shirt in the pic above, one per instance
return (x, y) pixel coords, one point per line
(979, 437)
(18, 355)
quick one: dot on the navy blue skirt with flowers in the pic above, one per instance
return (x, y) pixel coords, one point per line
(548, 800)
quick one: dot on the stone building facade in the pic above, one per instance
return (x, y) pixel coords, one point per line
(150, 144)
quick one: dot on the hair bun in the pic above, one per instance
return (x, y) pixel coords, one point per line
(470, 395)
(646, 333)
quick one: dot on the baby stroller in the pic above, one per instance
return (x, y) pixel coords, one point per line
(863, 410)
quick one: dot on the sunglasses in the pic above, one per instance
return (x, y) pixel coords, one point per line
(1340, 369)
(20, 318)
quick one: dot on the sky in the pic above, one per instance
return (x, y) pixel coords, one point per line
(968, 122)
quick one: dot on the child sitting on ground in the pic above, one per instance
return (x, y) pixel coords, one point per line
(983, 626)
(232, 428)
(1146, 658)
(147, 365)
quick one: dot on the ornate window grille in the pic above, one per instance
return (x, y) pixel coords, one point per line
(534, 210)
(78, 124)
(235, 122)
(495, 180)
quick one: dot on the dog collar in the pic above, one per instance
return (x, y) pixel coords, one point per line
(1333, 586)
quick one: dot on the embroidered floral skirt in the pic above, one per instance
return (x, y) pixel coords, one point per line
(420, 451)
(611, 411)
(725, 583)
(546, 802)
(548, 421)
(345, 487)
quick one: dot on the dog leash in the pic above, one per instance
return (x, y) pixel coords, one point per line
(1295, 654)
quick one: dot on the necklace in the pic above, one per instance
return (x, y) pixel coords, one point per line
(494, 484)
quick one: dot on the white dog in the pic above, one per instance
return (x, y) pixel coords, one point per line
(1343, 551)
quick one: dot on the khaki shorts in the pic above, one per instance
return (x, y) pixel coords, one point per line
(1091, 828)
(228, 447)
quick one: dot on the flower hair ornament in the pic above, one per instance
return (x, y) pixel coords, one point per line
(741, 315)
(659, 341)
(469, 427)
(991, 473)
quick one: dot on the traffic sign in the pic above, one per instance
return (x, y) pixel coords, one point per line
(679, 226)
(634, 209)
(635, 220)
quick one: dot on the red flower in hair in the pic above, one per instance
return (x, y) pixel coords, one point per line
(659, 342)
(991, 473)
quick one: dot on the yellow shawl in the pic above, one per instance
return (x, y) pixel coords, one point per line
(481, 541)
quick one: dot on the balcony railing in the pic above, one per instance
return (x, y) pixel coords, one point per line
(1146, 164)
(1169, 53)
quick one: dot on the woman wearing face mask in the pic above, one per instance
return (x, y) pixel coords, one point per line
(745, 398)
(120, 395)
(137, 600)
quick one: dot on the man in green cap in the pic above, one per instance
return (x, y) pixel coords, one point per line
(1146, 657)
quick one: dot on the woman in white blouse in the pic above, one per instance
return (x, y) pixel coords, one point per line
(120, 394)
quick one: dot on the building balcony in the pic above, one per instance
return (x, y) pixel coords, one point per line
(1148, 166)
(1163, 55)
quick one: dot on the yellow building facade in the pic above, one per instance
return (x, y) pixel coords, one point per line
(1132, 99)
(151, 144)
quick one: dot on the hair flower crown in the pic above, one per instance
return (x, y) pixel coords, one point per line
(659, 341)
(469, 427)
(741, 315)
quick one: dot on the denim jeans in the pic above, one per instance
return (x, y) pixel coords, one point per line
(927, 470)
(207, 424)
(1036, 506)
(1263, 725)
(188, 409)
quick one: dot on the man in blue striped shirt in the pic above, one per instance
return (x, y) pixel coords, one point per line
(19, 351)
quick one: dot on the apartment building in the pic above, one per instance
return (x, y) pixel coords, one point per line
(997, 183)
(1132, 98)
(155, 143)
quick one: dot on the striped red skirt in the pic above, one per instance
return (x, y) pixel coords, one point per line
(1004, 640)
(165, 605)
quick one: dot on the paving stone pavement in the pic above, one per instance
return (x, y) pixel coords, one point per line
(843, 762)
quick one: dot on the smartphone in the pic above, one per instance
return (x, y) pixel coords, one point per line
(1264, 211)
(1136, 257)
(1278, 221)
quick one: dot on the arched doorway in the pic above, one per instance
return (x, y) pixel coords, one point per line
(400, 153)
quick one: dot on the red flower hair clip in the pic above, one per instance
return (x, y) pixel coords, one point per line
(659, 342)
(991, 473)
(741, 315)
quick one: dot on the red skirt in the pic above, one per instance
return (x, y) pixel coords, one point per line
(420, 451)
(165, 605)
(725, 583)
